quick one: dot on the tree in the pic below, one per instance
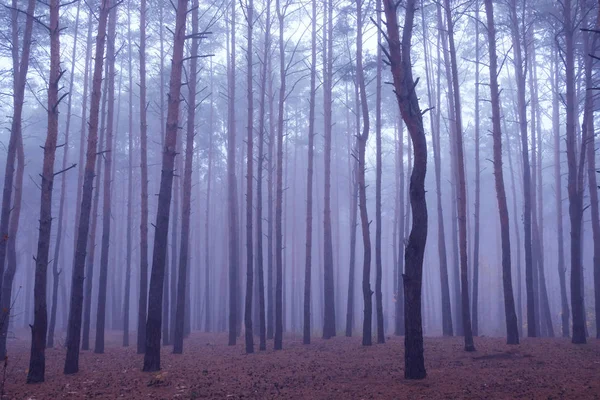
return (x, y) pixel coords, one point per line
(512, 330)
(232, 191)
(259, 182)
(75, 310)
(520, 74)
(37, 361)
(575, 169)
(63, 185)
(329, 294)
(278, 345)
(309, 175)
(378, 260)
(400, 64)
(187, 185)
(462, 187)
(435, 134)
(361, 141)
(20, 67)
(143, 300)
(249, 178)
(107, 191)
(153, 324)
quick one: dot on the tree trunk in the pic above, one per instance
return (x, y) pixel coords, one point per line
(37, 361)
(512, 330)
(447, 329)
(278, 345)
(462, 188)
(153, 325)
(329, 294)
(107, 190)
(187, 187)
(378, 260)
(400, 63)
(56, 272)
(362, 187)
(15, 129)
(232, 192)
(575, 178)
(520, 74)
(270, 232)
(208, 325)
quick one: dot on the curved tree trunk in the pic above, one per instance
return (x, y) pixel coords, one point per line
(400, 62)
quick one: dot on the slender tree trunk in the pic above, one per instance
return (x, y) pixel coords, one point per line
(362, 187)
(520, 74)
(309, 177)
(476, 218)
(435, 130)
(208, 325)
(270, 232)
(378, 260)
(565, 312)
(153, 325)
(512, 330)
(37, 361)
(129, 228)
(15, 129)
(575, 178)
(462, 188)
(56, 272)
(143, 299)
(107, 190)
(187, 187)
(278, 345)
(232, 193)
(249, 186)
(400, 63)
(329, 294)
(6, 301)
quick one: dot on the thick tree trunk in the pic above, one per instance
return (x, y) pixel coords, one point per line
(362, 187)
(462, 188)
(400, 62)
(512, 330)
(37, 361)
(153, 325)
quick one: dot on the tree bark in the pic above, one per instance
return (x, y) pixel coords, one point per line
(329, 293)
(400, 63)
(512, 330)
(37, 361)
(520, 74)
(107, 189)
(153, 325)
(362, 187)
(462, 188)
(232, 192)
(15, 130)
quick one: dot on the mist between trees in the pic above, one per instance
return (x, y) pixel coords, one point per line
(326, 167)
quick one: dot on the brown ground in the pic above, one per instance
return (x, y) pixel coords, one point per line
(336, 369)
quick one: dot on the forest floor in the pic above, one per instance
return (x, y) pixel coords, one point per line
(339, 368)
